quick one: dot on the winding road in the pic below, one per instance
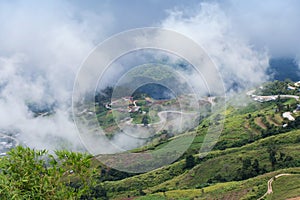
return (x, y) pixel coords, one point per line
(289, 96)
(160, 114)
(270, 189)
(251, 93)
(162, 117)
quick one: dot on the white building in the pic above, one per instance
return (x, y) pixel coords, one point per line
(297, 84)
(288, 116)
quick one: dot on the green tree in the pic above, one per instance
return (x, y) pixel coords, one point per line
(189, 162)
(145, 120)
(255, 166)
(34, 174)
(25, 175)
(247, 169)
(272, 150)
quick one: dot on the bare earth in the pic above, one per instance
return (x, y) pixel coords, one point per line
(295, 198)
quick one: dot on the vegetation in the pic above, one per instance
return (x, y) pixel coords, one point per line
(136, 108)
(277, 88)
(254, 147)
(283, 184)
(252, 188)
(33, 174)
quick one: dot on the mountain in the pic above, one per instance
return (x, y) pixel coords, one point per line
(284, 68)
(257, 152)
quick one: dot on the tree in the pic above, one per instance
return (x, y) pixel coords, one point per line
(246, 164)
(255, 166)
(247, 170)
(189, 162)
(25, 175)
(145, 120)
(35, 174)
(272, 150)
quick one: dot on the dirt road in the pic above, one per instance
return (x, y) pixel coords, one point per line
(270, 189)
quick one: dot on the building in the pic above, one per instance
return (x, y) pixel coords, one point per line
(288, 116)
(291, 88)
(297, 84)
(264, 98)
(134, 109)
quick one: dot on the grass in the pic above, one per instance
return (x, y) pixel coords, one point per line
(290, 101)
(226, 162)
(236, 131)
(278, 119)
(152, 197)
(182, 183)
(252, 188)
(271, 121)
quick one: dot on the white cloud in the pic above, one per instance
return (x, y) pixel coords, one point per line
(211, 28)
(42, 47)
(273, 24)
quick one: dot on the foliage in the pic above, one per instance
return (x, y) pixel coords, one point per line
(252, 143)
(189, 162)
(35, 174)
(276, 88)
(249, 189)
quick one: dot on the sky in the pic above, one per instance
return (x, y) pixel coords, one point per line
(271, 24)
(43, 44)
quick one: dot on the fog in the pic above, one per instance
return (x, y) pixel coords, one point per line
(44, 44)
(238, 62)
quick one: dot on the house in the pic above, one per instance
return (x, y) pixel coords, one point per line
(288, 116)
(297, 84)
(134, 109)
(264, 98)
(291, 88)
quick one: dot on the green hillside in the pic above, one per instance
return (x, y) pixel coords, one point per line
(252, 143)
(224, 166)
(253, 148)
(253, 188)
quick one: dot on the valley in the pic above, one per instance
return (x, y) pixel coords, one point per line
(257, 144)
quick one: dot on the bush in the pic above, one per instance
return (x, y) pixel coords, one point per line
(34, 174)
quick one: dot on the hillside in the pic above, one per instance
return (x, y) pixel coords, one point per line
(257, 143)
(253, 188)
(253, 142)
(224, 166)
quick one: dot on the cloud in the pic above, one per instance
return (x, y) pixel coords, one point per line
(42, 47)
(268, 24)
(238, 62)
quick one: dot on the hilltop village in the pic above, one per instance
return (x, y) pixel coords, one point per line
(284, 90)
